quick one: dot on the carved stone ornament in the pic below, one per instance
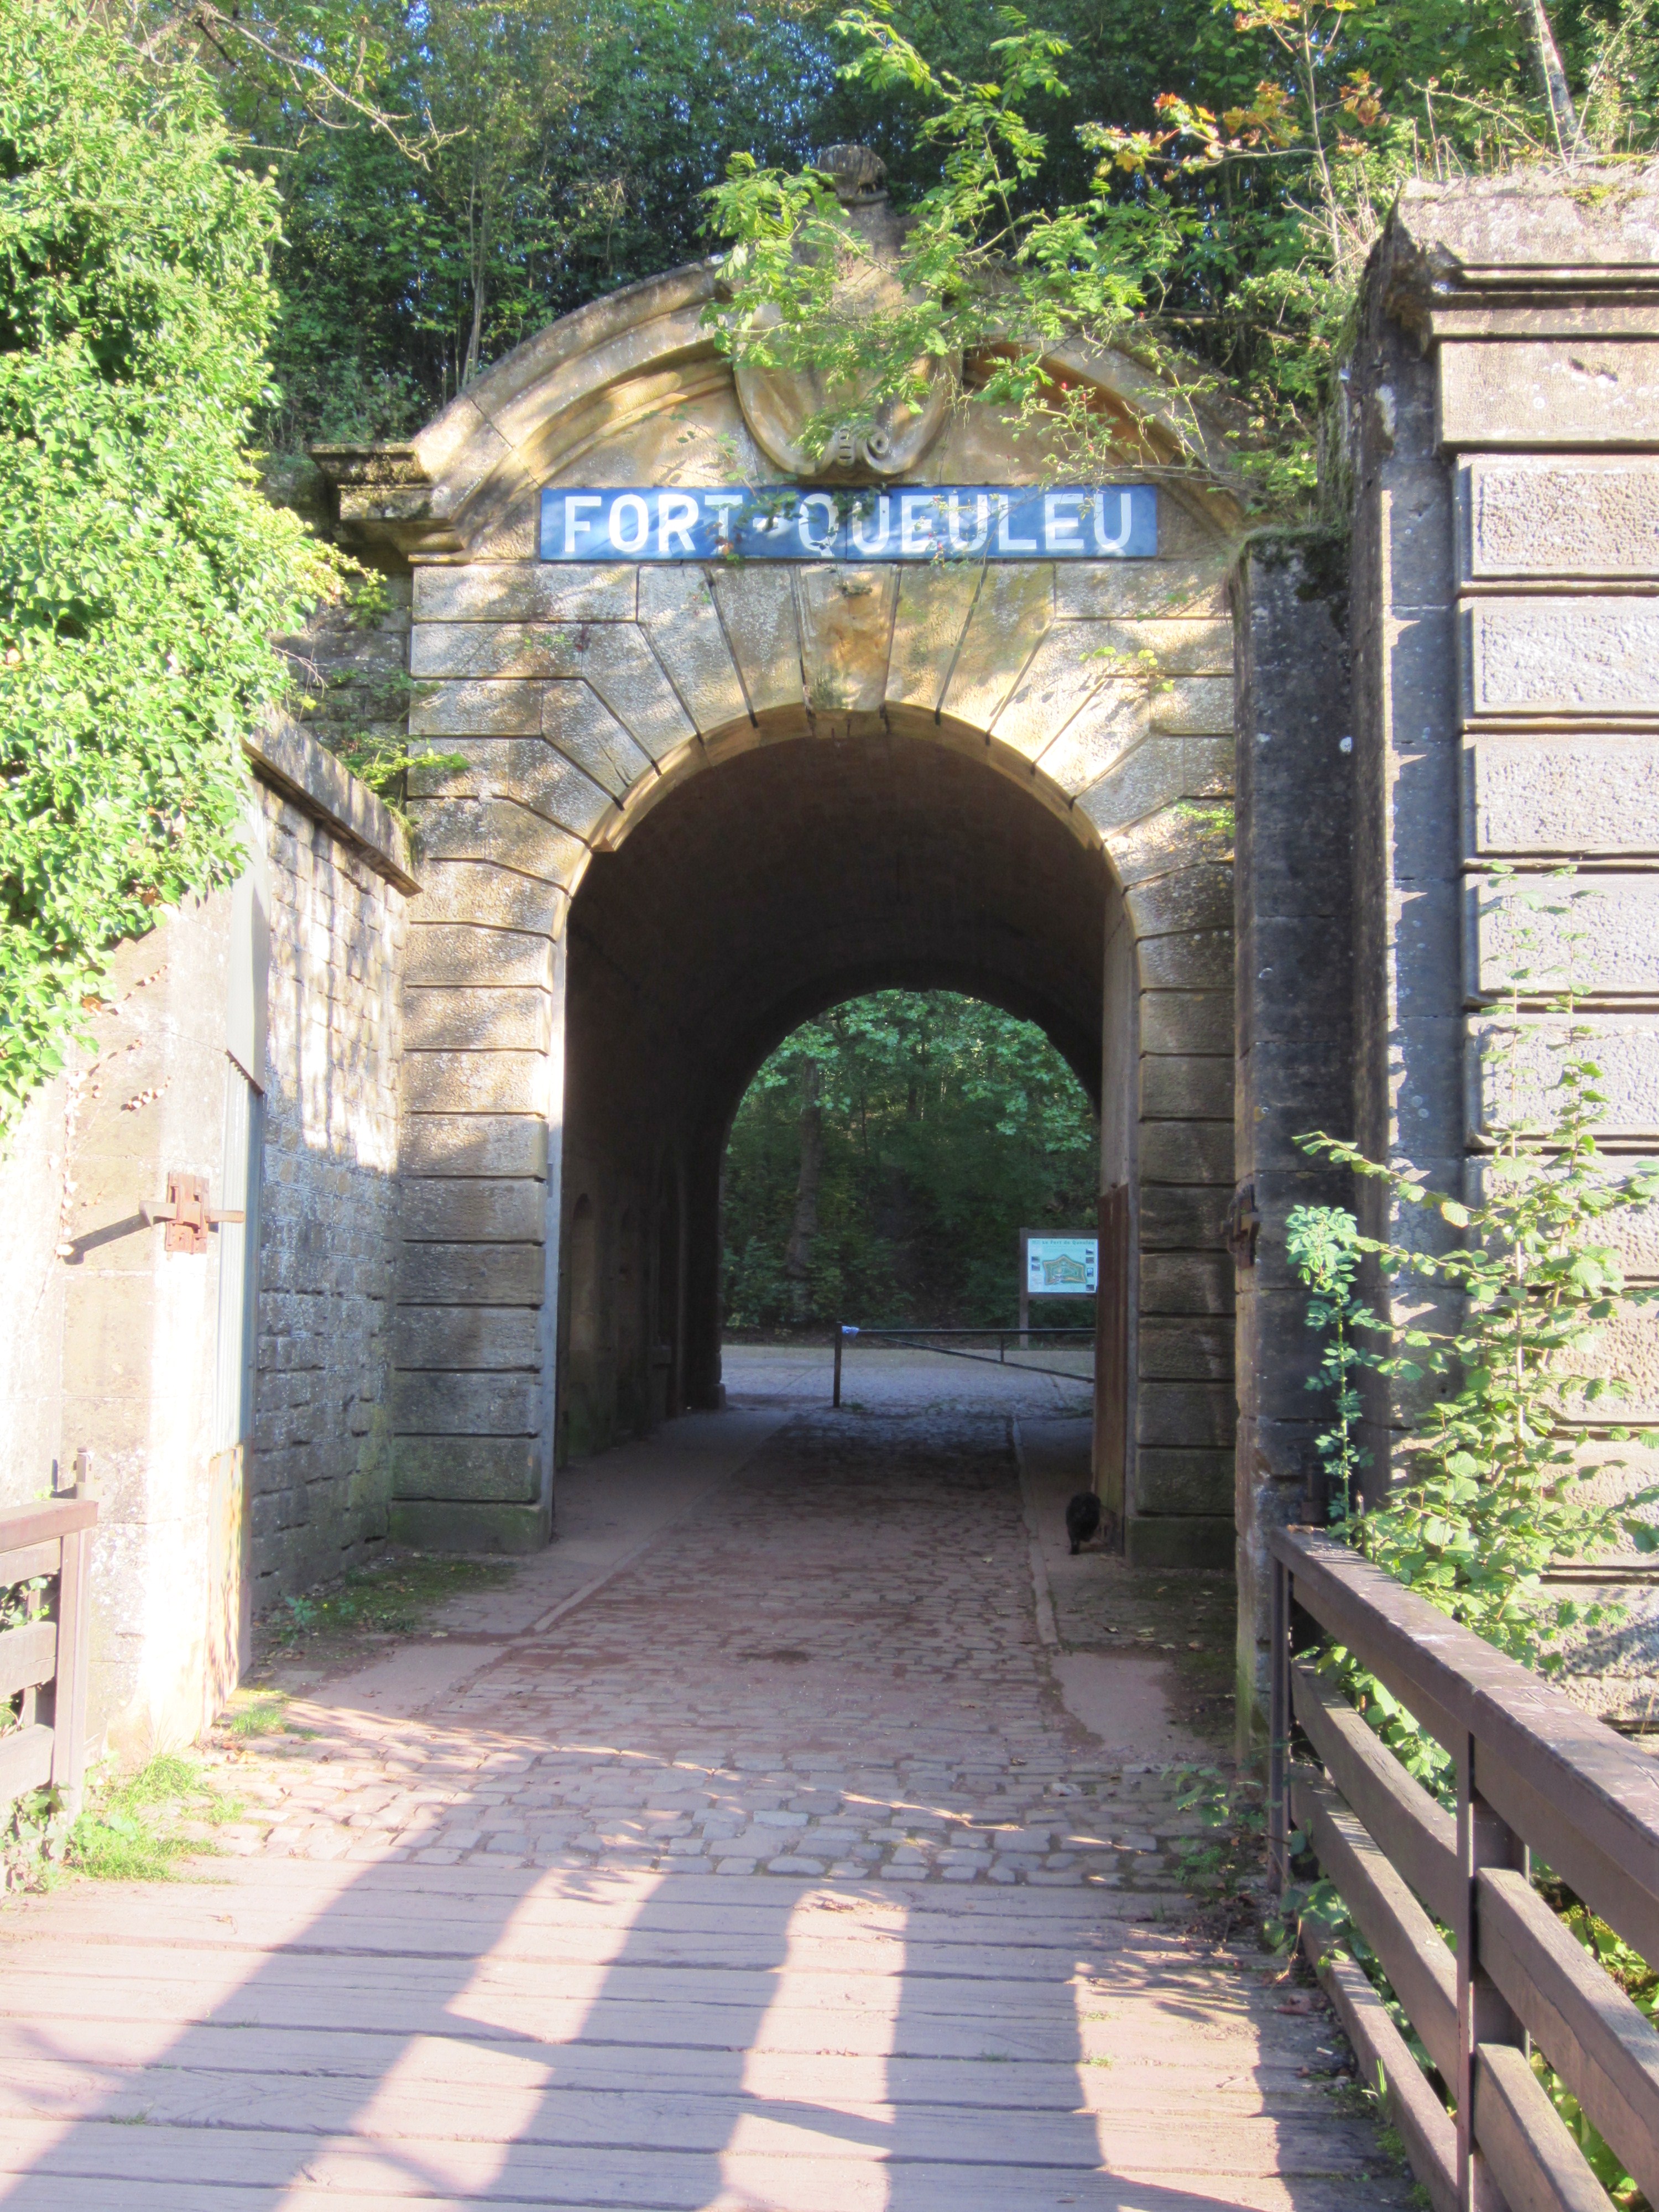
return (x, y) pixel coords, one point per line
(778, 402)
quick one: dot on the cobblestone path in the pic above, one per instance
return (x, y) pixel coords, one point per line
(773, 1874)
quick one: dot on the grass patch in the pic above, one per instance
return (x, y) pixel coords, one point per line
(247, 1717)
(386, 1601)
(132, 1827)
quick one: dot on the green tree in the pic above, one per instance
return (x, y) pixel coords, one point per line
(884, 1159)
(141, 572)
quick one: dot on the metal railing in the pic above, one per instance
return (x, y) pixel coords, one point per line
(1485, 1971)
(920, 1339)
(45, 1656)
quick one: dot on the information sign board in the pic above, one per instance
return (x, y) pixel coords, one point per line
(1061, 1267)
(782, 522)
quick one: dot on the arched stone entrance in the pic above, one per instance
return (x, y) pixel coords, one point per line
(1014, 777)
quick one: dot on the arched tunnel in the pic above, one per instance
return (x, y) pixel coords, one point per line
(788, 871)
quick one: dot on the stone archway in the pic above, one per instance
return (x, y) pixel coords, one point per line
(590, 701)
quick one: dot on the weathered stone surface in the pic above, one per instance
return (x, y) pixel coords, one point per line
(1014, 609)
(427, 1402)
(757, 607)
(1549, 391)
(1172, 1481)
(467, 1209)
(491, 1469)
(475, 1145)
(1145, 781)
(1186, 1350)
(1540, 655)
(1187, 899)
(1187, 1151)
(679, 616)
(460, 1337)
(1193, 706)
(847, 626)
(465, 710)
(1587, 793)
(1184, 1217)
(1185, 1087)
(1174, 1539)
(580, 724)
(525, 590)
(1133, 590)
(479, 649)
(1177, 646)
(614, 659)
(1196, 960)
(1185, 1414)
(500, 898)
(1513, 1073)
(461, 1082)
(460, 1019)
(1187, 1022)
(1070, 664)
(470, 1525)
(499, 830)
(471, 1275)
(528, 771)
(1104, 730)
(1598, 934)
(456, 952)
(1526, 514)
(933, 606)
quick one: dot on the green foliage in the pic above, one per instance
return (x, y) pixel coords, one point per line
(947, 1126)
(133, 1828)
(141, 574)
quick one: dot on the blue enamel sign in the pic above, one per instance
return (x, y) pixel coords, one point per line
(932, 522)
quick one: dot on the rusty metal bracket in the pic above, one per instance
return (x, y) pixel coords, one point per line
(186, 1214)
(1243, 1225)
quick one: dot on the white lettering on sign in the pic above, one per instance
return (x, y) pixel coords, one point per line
(780, 522)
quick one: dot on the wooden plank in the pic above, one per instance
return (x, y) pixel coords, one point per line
(21, 1526)
(1598, 1784)
(1596, 2039)
(69, 1700)
(1524, 2141)
(1418, 1964)
(24, 1762)
(1582, 1860)
(26, 1564)
(1419, 1836)
(28, 1656)
(1426, 2127)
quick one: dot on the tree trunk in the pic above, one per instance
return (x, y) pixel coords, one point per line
(803, 1231)
(1547, 56)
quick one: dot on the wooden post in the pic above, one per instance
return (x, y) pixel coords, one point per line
(1024, 1291)
(68, 1696)
(835, 1399)
(1279, 1734)
(1483, 2013)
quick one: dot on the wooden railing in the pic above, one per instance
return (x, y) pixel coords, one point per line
(45, 1657)
(1534, 1775)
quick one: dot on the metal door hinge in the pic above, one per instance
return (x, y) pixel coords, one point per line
(186, 1214)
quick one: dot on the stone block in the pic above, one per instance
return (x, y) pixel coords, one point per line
(471, 1274)
(846, 628)
(1010, 617)
(1193, 706)
(679, 616)
(457, 952)
(757, 610)
(475, 1083)
(1549, 392)
(1536, 654)
(1187, 1021)
(1174, 1540)
(935, 603)
(1531, 514)
(1631, 1232)
(427, 1401)
(525, 591)
(614, 658)
(1185, 901)
(475, 1145)
(1185, 1087)
(1196, 960)
(1186, 1282)
(1174, 1480)
(1179, 646)
(1178, 835)
(1597, 935)
(1147, 779)
(1131, 590)
(500, 898)
(1300, 982)
(468, 1209)
(1187, 1151)
(1590, 793)
(480, 650)
(577, 721)
(431, 1526)
(1184, 1414)
(1068, 667)
(462, 1337)
(501, 1019)
(1184, 1216)
(1103, 732)
(466, 1470)
(1512, 1071)
(1185, 1351)
(526, 771)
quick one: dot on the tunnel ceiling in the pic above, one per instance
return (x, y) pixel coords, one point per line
(805, 871)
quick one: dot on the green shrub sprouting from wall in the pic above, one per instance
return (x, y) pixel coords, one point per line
(141, 572)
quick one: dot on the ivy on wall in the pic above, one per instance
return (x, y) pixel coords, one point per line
(142, 572)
